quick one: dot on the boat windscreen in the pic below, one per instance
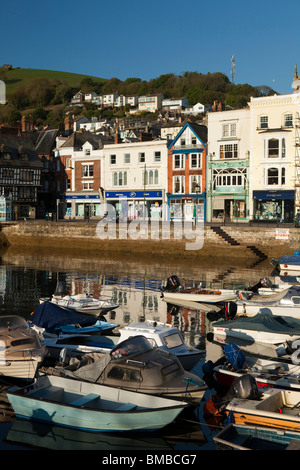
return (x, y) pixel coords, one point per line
(131, 346)
(173, 341)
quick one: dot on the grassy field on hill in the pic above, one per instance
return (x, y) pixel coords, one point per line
(15, 77)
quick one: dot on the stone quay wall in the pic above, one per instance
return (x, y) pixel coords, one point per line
(229, 241)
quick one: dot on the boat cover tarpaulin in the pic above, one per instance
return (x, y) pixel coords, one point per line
(264, 322)
(294, 260)
(50, 316)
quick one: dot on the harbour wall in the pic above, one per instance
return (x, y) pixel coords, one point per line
(230, 241)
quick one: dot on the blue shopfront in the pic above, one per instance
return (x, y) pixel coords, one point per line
(276, 205)
(137, 204)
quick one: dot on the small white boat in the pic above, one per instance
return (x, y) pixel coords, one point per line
(91, 407)
(275, 408)
(263, 327)
(21, 352)
(289, 263)
(267, 373)
(166, 337)
(284, 303)
(82, 303)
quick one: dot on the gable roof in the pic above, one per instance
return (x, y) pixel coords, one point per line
(198, 129)
(77, 139)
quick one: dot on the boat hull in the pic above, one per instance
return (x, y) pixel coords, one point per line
(58, 403)
(242, 437)
(198, 298)
(277, 409)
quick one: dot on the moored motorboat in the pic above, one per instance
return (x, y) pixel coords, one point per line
(165, 337)
(262, 327)
(92, 407)
(274, 408)
(82, 303)
(285, 303)
(288, 262)
(49, 318)
(267, 372)
(21, 352)
(134, 364)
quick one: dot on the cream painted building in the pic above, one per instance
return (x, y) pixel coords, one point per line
(135, 178)
(273, 131)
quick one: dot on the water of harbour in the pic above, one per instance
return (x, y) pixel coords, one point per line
(26, 276)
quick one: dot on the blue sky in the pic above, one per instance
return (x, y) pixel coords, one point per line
(147, 39)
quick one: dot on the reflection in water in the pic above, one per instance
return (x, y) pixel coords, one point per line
(135, 285)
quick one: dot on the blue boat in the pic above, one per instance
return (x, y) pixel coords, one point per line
(51, 318)
(244, 437)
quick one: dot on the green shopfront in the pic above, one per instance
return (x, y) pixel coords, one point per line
(228, 192)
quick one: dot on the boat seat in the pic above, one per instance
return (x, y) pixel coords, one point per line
(48, 393)
(126, 407)
(86, 399)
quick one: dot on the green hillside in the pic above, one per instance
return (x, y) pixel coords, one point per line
(22, 77)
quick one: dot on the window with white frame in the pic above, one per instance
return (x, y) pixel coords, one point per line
(178, 184)
(195, 161)
(120, 178)
(150, 177)
(157, 156)
(142, 157)
(288, 120)
(263, 122)
(113, 159)
(178, 161)
(228, 151)
(194, 181)
(229, 177)
(68, 163)
(87, 185)
(275, 148)
(126, 157)
(229, 130)
(275, 176)
(87, 170)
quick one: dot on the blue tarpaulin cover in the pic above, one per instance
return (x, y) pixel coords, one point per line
(49, 316)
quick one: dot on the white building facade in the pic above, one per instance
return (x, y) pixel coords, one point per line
(135, 178)
(274, 178)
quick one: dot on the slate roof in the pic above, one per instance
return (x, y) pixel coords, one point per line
(17, 146)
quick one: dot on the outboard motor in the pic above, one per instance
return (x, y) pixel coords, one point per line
(242, 387)
(173, 284)
(227, 312)
(263, 282)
